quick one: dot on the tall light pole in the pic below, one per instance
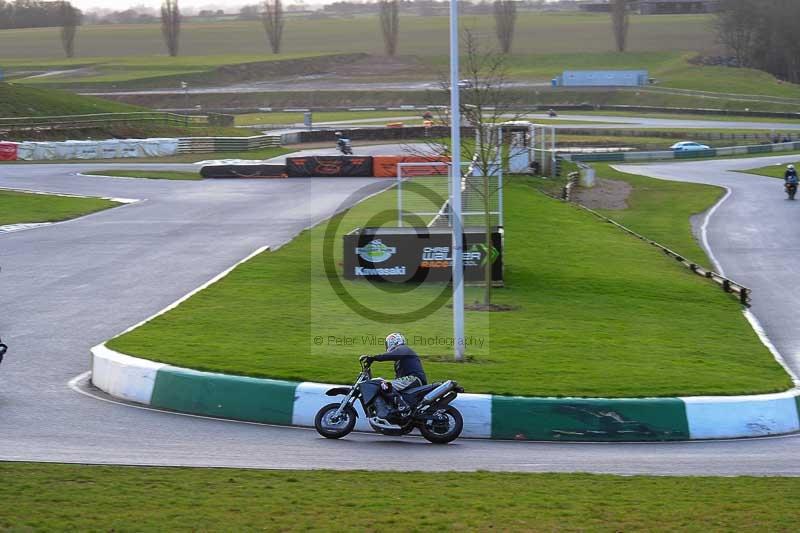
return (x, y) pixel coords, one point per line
(455, 189)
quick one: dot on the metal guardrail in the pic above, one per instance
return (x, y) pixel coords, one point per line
(742, 293)
(200, 145)
(728, 285)
(65, 122)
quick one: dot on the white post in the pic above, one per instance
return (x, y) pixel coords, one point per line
(553, 152)
(399, 196)
(500, 174)
(544, 147)
(455, 176)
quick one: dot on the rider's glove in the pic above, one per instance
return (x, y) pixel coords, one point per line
(366, 359)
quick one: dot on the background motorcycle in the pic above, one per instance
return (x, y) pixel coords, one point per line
(344, 146)
(791, 190)
(431, 412)
(3, 349)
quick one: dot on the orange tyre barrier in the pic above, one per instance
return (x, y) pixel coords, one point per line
(385, 166)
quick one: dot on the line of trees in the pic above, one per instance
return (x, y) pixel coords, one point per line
(32, 14)
(761, 34)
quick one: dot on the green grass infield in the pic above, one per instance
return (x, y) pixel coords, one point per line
(597, 313)
(770, 171)
(20, 207)
(50, 497)
(147, 174)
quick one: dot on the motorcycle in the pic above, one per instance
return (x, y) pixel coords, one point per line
(791, 190)
(343, 145)
(552, 113)
(427, 408)
(3, 350)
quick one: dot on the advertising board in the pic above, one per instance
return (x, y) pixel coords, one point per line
(334, 166)
(401, 255)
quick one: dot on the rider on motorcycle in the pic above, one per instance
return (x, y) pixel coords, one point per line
(343, 143)
(407, 367)
(790, 176)
(790, 181)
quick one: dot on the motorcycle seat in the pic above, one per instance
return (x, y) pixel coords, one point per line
(421, 390)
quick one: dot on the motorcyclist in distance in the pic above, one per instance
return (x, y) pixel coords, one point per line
(790, 181)
(407, 367)
(343, 143)
(790, 174)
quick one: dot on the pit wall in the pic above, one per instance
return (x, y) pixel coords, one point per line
(287, 403)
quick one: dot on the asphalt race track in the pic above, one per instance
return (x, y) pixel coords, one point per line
(69, 286)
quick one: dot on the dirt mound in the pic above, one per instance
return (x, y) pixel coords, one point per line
(606, 194)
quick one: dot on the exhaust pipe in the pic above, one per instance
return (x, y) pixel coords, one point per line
(438, 392)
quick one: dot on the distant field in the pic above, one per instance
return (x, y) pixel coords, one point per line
(132, 56)
(424, 36)
(546, 44)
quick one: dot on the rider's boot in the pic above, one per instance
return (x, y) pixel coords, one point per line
(402, 406)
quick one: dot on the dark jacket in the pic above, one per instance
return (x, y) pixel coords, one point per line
(790, 174)
(406, 362)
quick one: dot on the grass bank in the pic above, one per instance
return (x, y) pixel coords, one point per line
(19, 101)
(661, 210)
(598, 313)
(147, 174)
(20, 207)
(538, 96)
(770, 171)
(109, 498)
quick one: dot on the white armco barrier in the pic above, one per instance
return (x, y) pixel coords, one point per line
(107, 149)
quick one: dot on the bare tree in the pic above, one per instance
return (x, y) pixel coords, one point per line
(390, 25)
(485, 104)
(70, 19)
(505, 18)
(272, 18)
(620, 21)
(171, 25)
(737, 24)
(756, 31)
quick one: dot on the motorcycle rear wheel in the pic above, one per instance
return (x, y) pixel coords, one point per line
(455, 426)
(331, 428)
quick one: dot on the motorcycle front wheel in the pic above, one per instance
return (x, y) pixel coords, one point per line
(438, 435)
(332, 427)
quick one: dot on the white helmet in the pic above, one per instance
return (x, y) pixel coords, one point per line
(393, 340)
(790, 167)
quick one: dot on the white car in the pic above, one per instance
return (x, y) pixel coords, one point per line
(688, 146)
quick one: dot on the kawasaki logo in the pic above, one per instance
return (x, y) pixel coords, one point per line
(376, 252)
(393, 271)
